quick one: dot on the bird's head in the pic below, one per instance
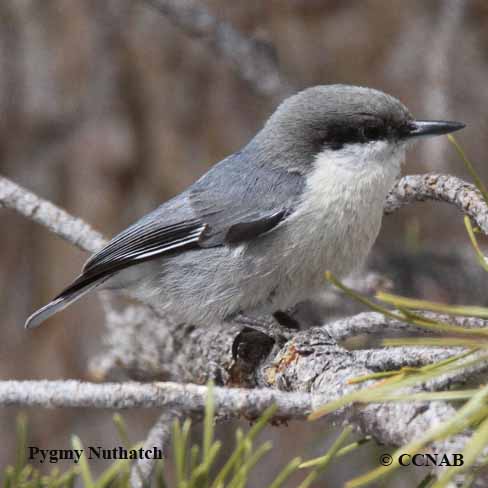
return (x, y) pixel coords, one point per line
(347, 124)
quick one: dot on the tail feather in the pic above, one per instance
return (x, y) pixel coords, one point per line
(66, 298)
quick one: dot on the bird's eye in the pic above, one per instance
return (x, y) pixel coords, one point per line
(335, 146)
(338, 136)
(373, 133)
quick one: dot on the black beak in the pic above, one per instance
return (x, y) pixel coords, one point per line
(421, 128)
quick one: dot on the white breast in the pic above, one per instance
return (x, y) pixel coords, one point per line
(340, 215)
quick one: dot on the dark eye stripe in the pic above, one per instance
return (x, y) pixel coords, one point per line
(374, 133)
(371, 130)
(336, 137)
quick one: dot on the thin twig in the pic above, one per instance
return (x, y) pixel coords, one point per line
(158, 436)
(55, 219)
(253, 60)
(443, 188)
(377, 323)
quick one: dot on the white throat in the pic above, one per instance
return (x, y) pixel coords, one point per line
(342, 206)
(387, 157)
(371, 168)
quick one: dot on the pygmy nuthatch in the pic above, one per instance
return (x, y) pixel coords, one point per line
(256, 233)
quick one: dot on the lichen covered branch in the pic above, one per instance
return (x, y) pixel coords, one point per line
(55, 219)
(443, 188)
(188, 398)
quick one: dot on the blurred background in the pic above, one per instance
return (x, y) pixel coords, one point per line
(107, 109)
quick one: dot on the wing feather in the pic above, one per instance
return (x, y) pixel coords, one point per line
(234, 202)
(137, 245)
(240, 200)
(142, 242)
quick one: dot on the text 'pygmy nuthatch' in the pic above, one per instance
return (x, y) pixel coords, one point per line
(257, 232)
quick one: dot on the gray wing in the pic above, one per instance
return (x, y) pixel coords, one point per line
(145, 241)
(239, 201)
(170, 228)
(234, 202)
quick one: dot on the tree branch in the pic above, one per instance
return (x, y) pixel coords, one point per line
(443, 188)
(254, 61)
(187, 398)
(377, 323)
(159, 435)
(55, 219)
(307, 372)
(144, 346)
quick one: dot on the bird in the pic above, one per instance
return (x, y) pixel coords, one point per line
(256, 233)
